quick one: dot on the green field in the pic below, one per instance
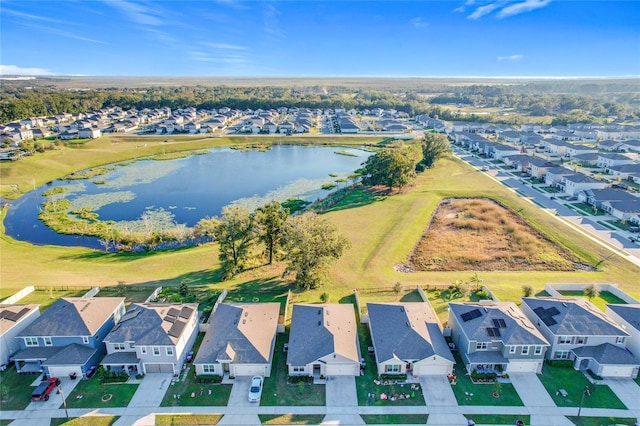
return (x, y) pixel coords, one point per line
(382, 231)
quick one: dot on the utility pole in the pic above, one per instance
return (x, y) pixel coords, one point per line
(64, 401)
(585, 392)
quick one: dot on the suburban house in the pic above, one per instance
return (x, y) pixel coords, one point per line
(152, 338)
(573, 150)
(555, 175)
(628, 317)
(627, 209)
(500, 150)
(14, 319)
(538, 167)
(596, 197)
(610, 160)
(586, 160)
(323, 341)
(579, 331)
(610, 145)
(625, 171)
(496, 337)
(631, 145)
(89, 133)
(239, 341)
(68, 337)
(407, 339)
(574, 183)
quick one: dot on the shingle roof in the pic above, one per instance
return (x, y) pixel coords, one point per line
(575, 317)
(120, 358)
(74, 316)
(476, 319)
(581, 178)
(607, 353)
(321, 330)
(73, 354)
(40, 352)
(153, 323)
(10, 315)
(240, 333)
(630, 313)
(408, 331)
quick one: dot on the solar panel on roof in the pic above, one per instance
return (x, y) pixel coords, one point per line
(176, 329)
(501, 323)
(490, 331)
(22, 313)
(169, 318)
(496, 323)
(185, 312)
(547, 320)
(11, 316)
(468, 316)
(553, 311)
(173, 312)
(3, 314)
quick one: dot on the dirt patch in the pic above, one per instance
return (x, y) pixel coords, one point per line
(481, 235)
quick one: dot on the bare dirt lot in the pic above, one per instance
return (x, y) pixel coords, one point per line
(481, 235)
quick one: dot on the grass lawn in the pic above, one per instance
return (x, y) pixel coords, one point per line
(85, 421)
(132, 294)
(291, 419)
(482, 392)
(573, 381)
(216, 395)
(366, 388)
(277, 391)
(601, 301)
(599, 421)
(497, 419)
(381, 419)
(91, 393)
(46, 298)
(15, 389)
(187, 419)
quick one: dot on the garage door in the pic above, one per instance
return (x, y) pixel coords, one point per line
(249, 370)
(65, 371)
(616, 371)
(158, 368)
(342, 370)
(432, 370)
(522, 367)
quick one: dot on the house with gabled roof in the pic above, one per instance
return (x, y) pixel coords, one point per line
(610, 160)
(554, 175)
(152, 338)
(496, 337)
(407, 339)
(14, 319)
(577, 330)
(68, 337)
(628, 317)
(323, 341)
(239, 341)
(574, 183)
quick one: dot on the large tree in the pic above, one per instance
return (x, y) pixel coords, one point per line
(434, 147)
(311, 244)
(234, 231)
(270, 220)
(392, 167)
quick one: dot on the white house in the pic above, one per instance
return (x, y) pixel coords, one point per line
(14, 319)
(628, 316)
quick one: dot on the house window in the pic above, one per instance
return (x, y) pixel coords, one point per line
(298, 369)
(538, 350)
(208, 368)
(31, 341)
(169, 350)
(85, 339)
(143, 350)
(580, 340)
(564, 340)
(47, 340)
(620, 339)
(156, 351)
(562, 355)
(481, 346)
(512, 349)
(392, 368)
(118, 346)
(525, 350)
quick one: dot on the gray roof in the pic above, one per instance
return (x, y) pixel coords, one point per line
(627, 168)
(630, 205)
(615, 156)
(120, 358)
(476, 319)
(574, 317)
(581, 178)
(557, 170)
(607, 353)
(540, 162)
(73, 354)
(610, 194)
(590, 156)
(39, 352)
(74, 316)
(486, 357)
(153, 323)
(630, 313)
(321, 330)
(10, 315)
(406, 331)
(242, 334)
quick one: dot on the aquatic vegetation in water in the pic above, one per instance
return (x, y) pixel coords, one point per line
(88, 174)
(97, 201)
(144, 173)
(150, 220)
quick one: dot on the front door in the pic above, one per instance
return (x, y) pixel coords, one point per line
(225, 367)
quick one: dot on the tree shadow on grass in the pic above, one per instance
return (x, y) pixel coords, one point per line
(120, 256)
(359, 197)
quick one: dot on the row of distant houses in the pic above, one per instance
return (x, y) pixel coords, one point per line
(76, 334)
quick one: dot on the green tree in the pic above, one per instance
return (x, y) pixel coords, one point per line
(184, 289)
(434, 147)
(235, 232)
(527, 290)
(392, 167)
(591, 291)
(270, 220)
(477, 281)
(311, 243)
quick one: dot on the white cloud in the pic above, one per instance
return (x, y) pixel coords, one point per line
(526, 6)
(510, 58)
(485, 10)
(271, 21)
(225, 46)
(16, 70)
(29, 16)
(419, 23)
(137, 12)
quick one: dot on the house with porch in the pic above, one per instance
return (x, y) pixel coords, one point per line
(554, 175)
(152, 338)
(627, 209)
(628, 317)
(14, 319)
(323, 341)
(407, 339)
(596, 197)
(239, 341)
(496, 337)
(573, 149)
(68, 337)
(586, 160)
(577, 330)
(610, 160)
(538, 167)
(574, 183)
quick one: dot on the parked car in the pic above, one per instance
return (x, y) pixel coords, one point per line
(42, 391)
(255, 391)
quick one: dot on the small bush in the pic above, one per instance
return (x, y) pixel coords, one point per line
(299, 379)
(214, 378)
(324, 297)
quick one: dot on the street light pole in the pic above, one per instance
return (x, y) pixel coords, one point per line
(585, 392)
(64, 401)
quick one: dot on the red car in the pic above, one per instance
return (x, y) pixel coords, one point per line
(41, 393)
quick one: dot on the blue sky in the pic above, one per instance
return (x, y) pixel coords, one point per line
(321, 38)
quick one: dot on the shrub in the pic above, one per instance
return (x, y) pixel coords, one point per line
(324, 297)
(209, 379)
(299, 379)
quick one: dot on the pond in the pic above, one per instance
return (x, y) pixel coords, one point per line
(185, 190)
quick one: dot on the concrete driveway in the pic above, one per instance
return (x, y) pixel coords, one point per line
(151, 390)
(342, 401)
(40, 412)
(437, 391)
(628, 392)
(536, 398)
(239, 410)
